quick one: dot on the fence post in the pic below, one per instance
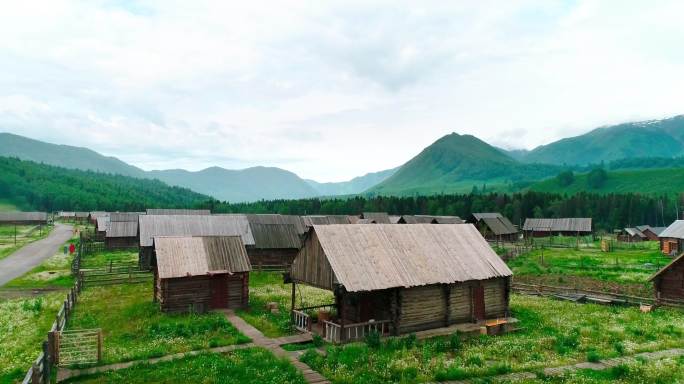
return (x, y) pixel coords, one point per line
(35, 374)
(52, 347)
(99, 345)
(46, 363)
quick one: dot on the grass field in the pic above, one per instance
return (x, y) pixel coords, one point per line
(134, 327)
(25, 234)
(249, 366)
(103, 259)
(23, 326)
(54, 272)
(267, 287)
(554, 333)
(622, 269)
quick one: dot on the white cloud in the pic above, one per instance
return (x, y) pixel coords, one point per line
(329, 90)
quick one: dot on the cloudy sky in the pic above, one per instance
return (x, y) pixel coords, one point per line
(330, 90)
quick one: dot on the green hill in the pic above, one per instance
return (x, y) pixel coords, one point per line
(353, 186)
(48, 188)
(647, 181)
(658, 138)
(456, 163)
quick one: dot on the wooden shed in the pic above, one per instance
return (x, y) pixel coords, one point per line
(197, 274)
(669, 281)
(93, 216)
(406, 278)
(632, 235)
(555, 227)
(672, 239)
(122, 230)
(494, 226)
(277, 240)
(152, 226)
(23, 218)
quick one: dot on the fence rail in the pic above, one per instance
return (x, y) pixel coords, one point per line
(302, 321)
(599, 296)
(336, 333)
(82, 346)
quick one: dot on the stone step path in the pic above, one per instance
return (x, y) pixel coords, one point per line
(597, 366)
(273, 345)
(65, 373)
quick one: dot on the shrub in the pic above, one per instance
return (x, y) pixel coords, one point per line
(317, 341)
(593, 356)
(568, 342)
(410, 340)
(455, 342)
(373, 339)
(619, 347)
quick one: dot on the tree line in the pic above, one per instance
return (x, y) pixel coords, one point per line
(608, 211)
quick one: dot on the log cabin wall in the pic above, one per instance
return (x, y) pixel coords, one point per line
(422, 308)
(670, 283)
(186, 294)
(277, 256)
(121, 242)
(496, 298)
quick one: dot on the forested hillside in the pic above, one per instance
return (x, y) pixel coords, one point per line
(609, 211)
(47, 188)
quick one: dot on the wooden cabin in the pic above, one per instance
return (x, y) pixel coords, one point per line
(101, 225)
(93, 216)
(197, 274)
(672, 239)
(277, 240)
(23, 218)
(558, 227)
(122, 230)
(669, 281)
(152, 226)
(81, 217)
(651, 233)
(401, 278)
(631, 235)
(494, 226)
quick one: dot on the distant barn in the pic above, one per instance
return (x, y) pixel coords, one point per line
(494, 226)
(672, 239)
(81, 217)
(669, 281)
(178, 211)
(93, 216)
(429, 219)
(152, 226)
(632, 235)
(651, 233)
(197, 274)
(122, 230)
(555, 227)
(23, 218)
(410, 277)
(101, 225)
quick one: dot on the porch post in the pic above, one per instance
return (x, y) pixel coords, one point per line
(292, 306)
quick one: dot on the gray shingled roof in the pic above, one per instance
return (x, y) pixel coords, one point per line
(674, 231)
(558, 225)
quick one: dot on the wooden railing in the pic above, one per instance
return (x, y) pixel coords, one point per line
(336, 333)
(301, 321)
(548, 290)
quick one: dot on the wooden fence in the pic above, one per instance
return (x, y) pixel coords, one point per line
(591, 295)
(82, 346)
(110, 275)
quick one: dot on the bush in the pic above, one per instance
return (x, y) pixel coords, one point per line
(566, 178)
(619, 347)
(597, 178)
(593, 356)
(455, 342)
(373, 339)
(317, 341)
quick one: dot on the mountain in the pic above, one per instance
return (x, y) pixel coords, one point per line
(35, 186)
(656, 138)
(456, 163)
(64, 156)
(249, 184)
(356, 185)
(643, 181)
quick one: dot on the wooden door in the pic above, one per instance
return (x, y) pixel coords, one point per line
(219, 292)
(478, 303)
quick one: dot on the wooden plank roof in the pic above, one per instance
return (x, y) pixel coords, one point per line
(676, 260)
(635, 232)
(274, 218)
(430, 219)
(558, 225)
(125, 216)
(194, 225)
(102, 223)
(156, 211)
(22, 216)
(122, 229)
(312, 220)
(382, 256)
(198, 256)
(496, 222)
(674, 231)
(275, 236)
(376, 217)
